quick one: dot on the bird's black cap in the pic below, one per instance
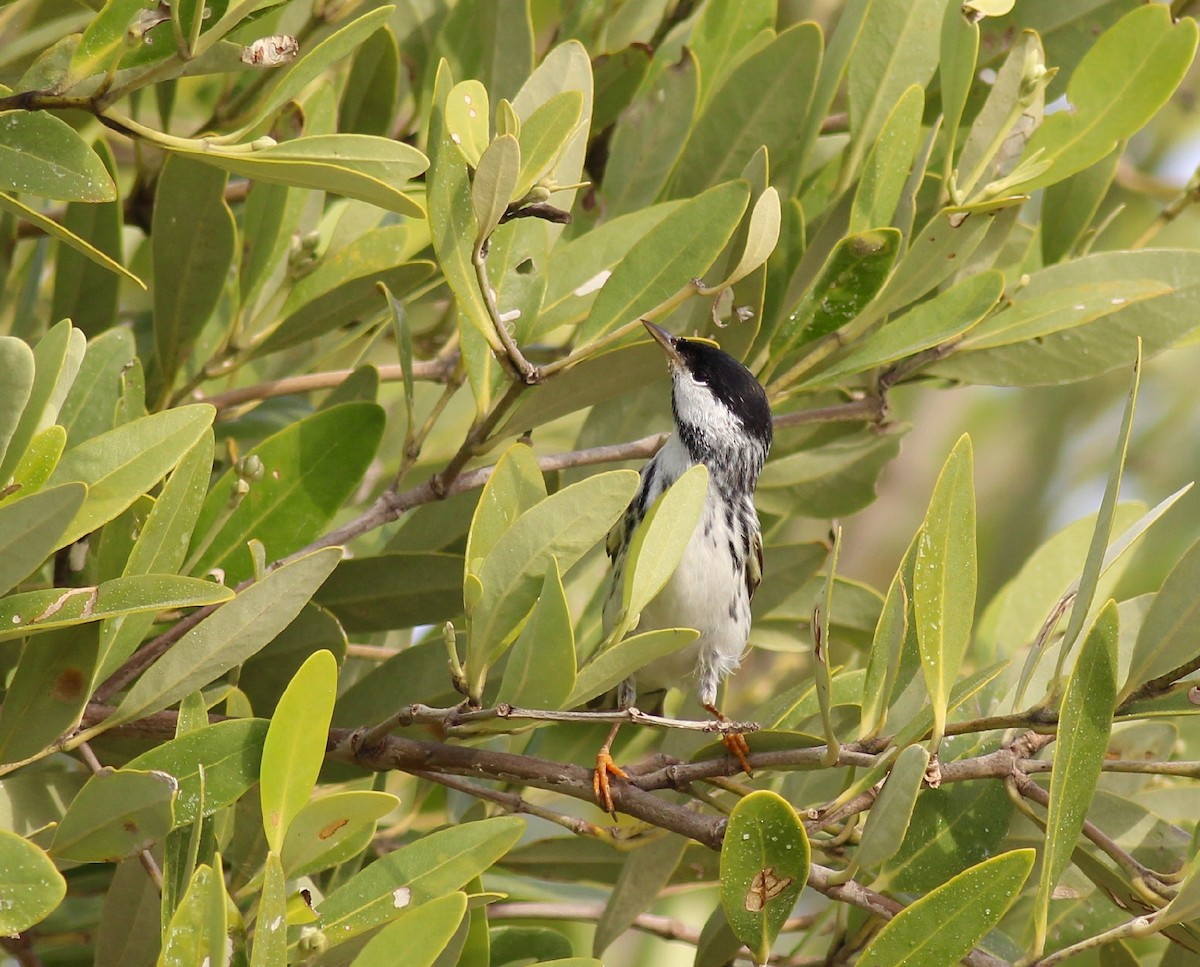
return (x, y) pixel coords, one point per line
(728, 380)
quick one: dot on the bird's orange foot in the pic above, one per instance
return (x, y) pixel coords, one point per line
(736, 743)
(601, 786)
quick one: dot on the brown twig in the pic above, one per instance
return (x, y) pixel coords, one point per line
(434, 370)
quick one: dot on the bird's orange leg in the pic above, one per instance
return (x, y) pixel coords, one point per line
(735, 742)
(605, 767)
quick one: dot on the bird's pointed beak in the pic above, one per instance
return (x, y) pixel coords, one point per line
(666, 340)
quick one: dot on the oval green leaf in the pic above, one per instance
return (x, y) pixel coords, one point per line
(118, 813)
(764, 866)
(229, 635)
(939, 929)
(944, 579)
(30, 886)
(294, 749)
(41, 154)
(422, 932)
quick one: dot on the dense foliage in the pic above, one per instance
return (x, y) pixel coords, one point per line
(321, 383)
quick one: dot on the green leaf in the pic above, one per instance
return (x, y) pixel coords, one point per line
(540, 672)
(1167, 637)
(295, 745)
(399, 590)
(889, 818)
(952, 828)
(887, 644)
(579, 268)
(1068, 206)
(468, 115)
(40, 459)
(48, 692)
(956, 71)
(830, 481)
(17, 370)
(1047, 312)
(679, 248)
(357, 166)
(494, 183)
(762, 235)
(1013, 106)
(764, 866)
(91, 405)
(432, 866)
(645, 872)
(56, 361)
(722, 32)
(932, 323)
(41, 154)
(30, 886)
(514, 486)
(103, 40)
(1093, 565)
(944, 579)
(67, 237)
(229, 753)
(1121, 83)
(85, 292)
(344, 289)
(310, 468)
(939, 929)
(543, 136)
(452, 222)
(332, 829)
(762, 102)
(888, 163)
(35, 611)
(649, 136)
(660, 540)
(197, 933)
(30, 529)
(492, 40)
(118, 813)
(193, 240)
(373, 87)
(562, 526)
(228, 636)
(122, 464)
(1107, 343)
(613, 665)
(288, 83)
(854, 272)
(1018, 610)
(270, 925)
(1084, 723)
(160, 547)
(422, 932)
(934, 254)
(897, 49)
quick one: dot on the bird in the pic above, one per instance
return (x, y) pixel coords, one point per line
(722, 419)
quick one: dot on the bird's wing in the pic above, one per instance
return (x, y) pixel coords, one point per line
(754, 566)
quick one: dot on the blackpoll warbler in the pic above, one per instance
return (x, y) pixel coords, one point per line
(723, 420)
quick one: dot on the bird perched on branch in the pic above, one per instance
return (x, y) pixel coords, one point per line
(722, 420)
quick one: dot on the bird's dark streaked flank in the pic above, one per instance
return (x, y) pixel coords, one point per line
(722, 419)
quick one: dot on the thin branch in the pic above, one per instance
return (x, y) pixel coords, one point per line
(458, 720)
(434, 370)
(521, 367)
(513, 803)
